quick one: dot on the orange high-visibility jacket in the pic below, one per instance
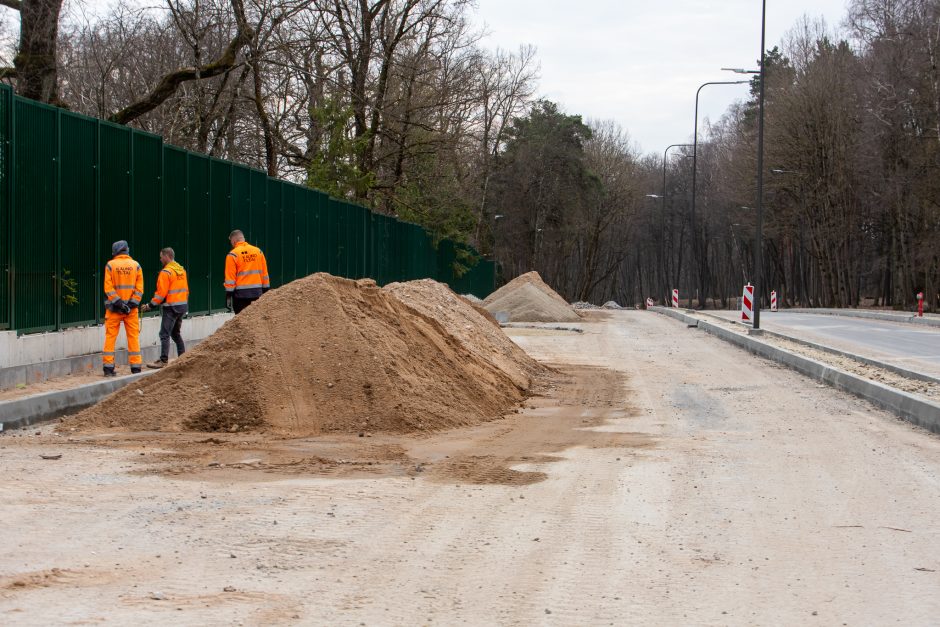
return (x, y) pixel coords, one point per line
(123, 279)
(172, 287)
(246, 271)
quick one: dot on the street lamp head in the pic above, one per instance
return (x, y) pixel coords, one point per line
(653, 196)
(498, 216)
(782, 171)
(739, 70)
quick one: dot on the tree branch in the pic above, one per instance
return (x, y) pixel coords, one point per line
(170, 82)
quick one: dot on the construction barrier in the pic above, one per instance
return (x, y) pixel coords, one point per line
(747, 304)
(70, 185)
(675, 298)
(773, 301)
(649, 302)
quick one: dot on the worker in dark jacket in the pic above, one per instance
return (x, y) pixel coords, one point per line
(173, 294)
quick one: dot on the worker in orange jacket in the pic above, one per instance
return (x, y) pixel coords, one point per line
(246, 273)
(124, 289)
(173, 295)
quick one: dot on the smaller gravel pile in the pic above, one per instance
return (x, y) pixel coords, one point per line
(611, 304)
(581, 305)
(528, 299)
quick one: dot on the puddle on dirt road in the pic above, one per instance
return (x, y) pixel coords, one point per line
(576, 406)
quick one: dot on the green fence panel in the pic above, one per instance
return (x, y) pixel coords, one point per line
(328, 253)
(33, 227)
(241, 202)
(146, 232)
(114, 195)
(220, 225)
(200, 234)
(175, 231)
(6, 276)
(286, 241)
(258, 203)
(80, 291)
(298, 238)
(311, 247)
(73, 185)
(273, 250)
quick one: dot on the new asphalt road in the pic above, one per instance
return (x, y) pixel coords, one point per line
(906, 345)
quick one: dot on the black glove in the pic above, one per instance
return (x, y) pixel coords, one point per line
(119, 306)
(133, 305)
(228, 302)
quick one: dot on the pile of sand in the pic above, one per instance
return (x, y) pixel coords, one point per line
(461, 319)
(328, 354)
(528, 299)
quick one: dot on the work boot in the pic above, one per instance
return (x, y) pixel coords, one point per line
(109, 372)
(135, 369)
(157, 364)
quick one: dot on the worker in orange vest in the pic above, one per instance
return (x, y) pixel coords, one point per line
(124, 289)
(246, 273)
(173, 294)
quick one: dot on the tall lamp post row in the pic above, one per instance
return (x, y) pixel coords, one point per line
(758, 235)
(695, 176)
(662, 214)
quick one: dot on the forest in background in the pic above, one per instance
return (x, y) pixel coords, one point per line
(398, 105)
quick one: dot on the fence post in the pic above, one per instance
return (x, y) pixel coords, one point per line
(57, 177)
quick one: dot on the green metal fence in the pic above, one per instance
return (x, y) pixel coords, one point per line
(71, 185)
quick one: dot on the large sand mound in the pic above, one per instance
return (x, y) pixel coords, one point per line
(460, 318)
(329, 354)
(528, 299)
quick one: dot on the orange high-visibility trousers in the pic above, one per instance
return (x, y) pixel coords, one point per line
(112, 326)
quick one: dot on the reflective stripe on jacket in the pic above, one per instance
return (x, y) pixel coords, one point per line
(172, 287)
(123, 279)
(246, 271)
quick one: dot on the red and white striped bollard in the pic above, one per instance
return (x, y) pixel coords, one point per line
(675, 298)
(773, 301)
(747, 304)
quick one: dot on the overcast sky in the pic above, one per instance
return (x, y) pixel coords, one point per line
(639, 62)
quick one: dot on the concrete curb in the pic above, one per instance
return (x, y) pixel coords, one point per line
(23, 412)
(928, 320)
(910, 374)
(913, 409)
(41, 371)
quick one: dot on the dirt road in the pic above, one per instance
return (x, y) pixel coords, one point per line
(662, 477)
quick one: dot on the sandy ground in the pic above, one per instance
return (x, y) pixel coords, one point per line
(660, 477)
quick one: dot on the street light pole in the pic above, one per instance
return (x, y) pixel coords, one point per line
(759, 236)
(695, 170)
(662, 217)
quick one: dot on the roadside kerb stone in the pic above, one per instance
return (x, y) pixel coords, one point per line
(910, 374)
(913, 409)
(23, 412)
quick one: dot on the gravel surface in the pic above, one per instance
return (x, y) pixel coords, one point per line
(677, 481)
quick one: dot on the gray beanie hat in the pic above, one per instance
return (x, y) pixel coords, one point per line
(119, 247)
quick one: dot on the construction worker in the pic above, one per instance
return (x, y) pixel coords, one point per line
(173, 294)
(124, 289)
(246, 273)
